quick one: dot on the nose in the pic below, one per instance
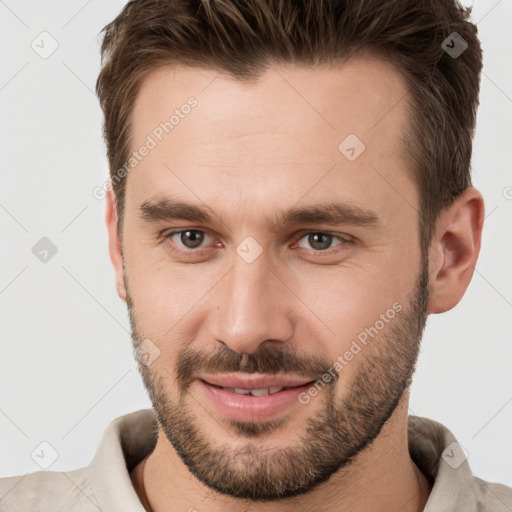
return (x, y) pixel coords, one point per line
(255, 306)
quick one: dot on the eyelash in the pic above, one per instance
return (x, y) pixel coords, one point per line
(343, 241)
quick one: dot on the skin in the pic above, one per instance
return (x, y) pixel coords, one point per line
(248, 152)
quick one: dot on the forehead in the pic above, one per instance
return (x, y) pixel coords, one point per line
(288, 130)
(355, 96)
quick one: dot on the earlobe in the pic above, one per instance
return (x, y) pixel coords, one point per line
(454, 250)
(114, 243)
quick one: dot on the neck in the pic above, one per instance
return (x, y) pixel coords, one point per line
(383, 477)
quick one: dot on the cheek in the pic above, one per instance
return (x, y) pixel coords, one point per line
(351, 306)
(157, 285)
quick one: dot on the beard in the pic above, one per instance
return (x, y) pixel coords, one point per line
(332, 437)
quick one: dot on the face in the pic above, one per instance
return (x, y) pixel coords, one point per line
(259, 241)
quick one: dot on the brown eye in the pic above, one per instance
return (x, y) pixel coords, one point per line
(187, 238)
(191, 239)
(322, 242)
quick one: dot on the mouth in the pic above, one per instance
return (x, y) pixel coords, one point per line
(253, 404)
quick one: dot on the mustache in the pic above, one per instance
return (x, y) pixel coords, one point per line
(269, 360)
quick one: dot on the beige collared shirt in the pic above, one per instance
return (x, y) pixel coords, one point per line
(105, 485)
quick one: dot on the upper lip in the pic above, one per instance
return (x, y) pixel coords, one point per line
(254, 381)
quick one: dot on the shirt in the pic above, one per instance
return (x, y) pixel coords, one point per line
(105, 485)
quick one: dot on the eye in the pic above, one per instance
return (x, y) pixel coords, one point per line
(191, 239)
(321, 241)
(188, 241)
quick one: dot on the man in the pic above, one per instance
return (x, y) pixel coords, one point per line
(291, 197)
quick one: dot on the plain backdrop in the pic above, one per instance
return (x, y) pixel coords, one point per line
(67, 368)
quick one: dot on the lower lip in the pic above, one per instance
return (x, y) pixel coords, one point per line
(252, 408)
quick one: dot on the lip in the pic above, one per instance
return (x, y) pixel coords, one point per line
(252, 408)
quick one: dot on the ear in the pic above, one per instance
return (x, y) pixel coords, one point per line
(454, 250)
(114, 243)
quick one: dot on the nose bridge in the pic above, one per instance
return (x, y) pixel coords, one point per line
(253, 303)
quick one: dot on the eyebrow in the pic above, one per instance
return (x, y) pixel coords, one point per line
(332, 213)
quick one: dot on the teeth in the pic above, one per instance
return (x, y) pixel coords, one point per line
(240, 391)
(259, 392)
(255, 392)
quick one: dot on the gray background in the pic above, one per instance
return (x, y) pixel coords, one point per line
(67, 367)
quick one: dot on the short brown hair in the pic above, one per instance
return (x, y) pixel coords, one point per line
(244, 37)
